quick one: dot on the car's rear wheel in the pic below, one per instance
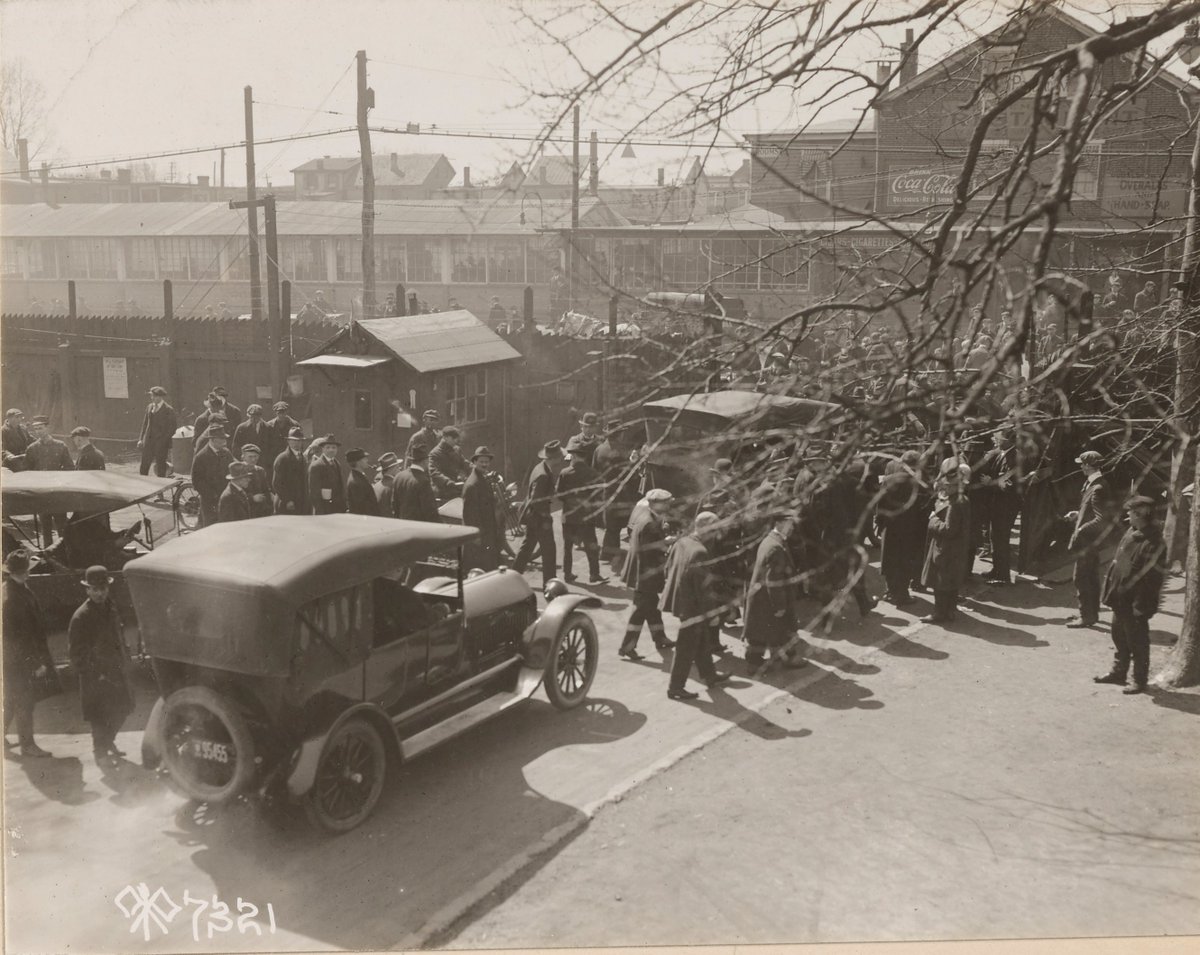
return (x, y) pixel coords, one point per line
(206, 744)
(350, 777)
(574, 656)
(187, 507)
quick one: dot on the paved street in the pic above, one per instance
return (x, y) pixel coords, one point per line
(938, 774)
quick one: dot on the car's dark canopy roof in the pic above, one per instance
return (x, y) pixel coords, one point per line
(56, 492)
(290, 559)
(733, 405)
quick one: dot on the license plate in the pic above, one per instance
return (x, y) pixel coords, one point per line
(210, 751)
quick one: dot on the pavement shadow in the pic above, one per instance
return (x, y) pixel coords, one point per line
(825, 688)
(1171, 700)
(1163, 638)
(725, 706)
(972, 626)
(448, 820)
(836, 660)
(58, 779)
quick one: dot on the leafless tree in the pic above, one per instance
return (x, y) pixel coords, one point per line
(22, 108)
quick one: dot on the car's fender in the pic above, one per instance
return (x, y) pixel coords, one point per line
(538, 636)
(307, 756)
(152, 742)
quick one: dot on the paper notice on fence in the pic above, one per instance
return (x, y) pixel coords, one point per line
(116, 378)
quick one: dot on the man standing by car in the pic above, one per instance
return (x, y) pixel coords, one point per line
(360, 492)
(577, 488)
(158, 428)
(645, 573)
(90, 457)
(389, 465)
(47, 453)
(326, 482)
(26, 656)
(479, 511)
(1133, 589)
(1092, 524)
(412, 492)
(692, 595)
(96, 639)
(289, 477)
(235, 503)
(427, 434)
(447, 466)
(209, 468)
(536, 512)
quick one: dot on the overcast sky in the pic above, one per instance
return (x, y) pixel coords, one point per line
(127, 77)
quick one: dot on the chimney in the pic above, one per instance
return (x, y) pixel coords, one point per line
(320, 165)
(125, 174)
(396, 166)
(593, 165)
(883, 75)
(542, 174)
(908, 57)
(467, 177)
(23, 158)
(202, 181)
(105, 173)
(662, 176)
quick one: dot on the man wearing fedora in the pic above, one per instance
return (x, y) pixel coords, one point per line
(536, 512)
(389, 465)
(645, 572)
(578, 488)
(360, 492)
(235, 503)
(1133, 590)
(26, 655)
(210, 468)
(278, 429)
(479, 511)
(289, 476)
(259, 488)
(326, 482)
(427, 434)
(589, 437)
(158, 428)
(1092, 525)
(90, 457)
(213, 414)
(412, 493)
(99, 657)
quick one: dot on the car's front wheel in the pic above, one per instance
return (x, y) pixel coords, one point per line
(574, 656)
(350, 777)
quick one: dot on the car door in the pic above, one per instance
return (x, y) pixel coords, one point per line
(395, 670)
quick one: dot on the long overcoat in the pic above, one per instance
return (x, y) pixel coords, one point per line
(948, 544)
(770, 618)
(99, 657)
(645, 568)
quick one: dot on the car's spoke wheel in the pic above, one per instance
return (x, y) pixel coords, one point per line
(350, 777)
(187, 507)
(573, 660)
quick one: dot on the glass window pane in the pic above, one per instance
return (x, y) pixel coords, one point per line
(467, 261)
(734, 263)
(141, 262)
(506, 261)
(422, 261)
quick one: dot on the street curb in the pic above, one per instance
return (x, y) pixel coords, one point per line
(441, 926)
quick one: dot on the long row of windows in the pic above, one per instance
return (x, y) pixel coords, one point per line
(690, 264)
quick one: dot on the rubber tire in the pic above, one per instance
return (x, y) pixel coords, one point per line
(554, 692)
(187, 523)
(312, 807)
(152, 738)
(239, 735)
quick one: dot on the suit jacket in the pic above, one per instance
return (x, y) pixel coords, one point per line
(412, 496)
(252, 432)
(209, 468)
(234, 505)
(578, 487)
(326, 476)
(360, 494)
(15, 439)
(645, 568)
(540, 495)
(771, 597)
(1135, 577)
(447, 467)
(48, 455)
(479, 508)
(24, 634)
(691, 593)
(289, 481)
(1096, 518)
(90, 459)
(158, 427)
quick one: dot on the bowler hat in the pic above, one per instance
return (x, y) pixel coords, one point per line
(297, 434)
(17, 562)
(158, 390)
(354, 455)
(330, 439)
(81, 432)
(551, 451)
(238, 470)
(389, 459)
(280, 406)
(251, 447)
(96, 576)
(1090, 457)
(220, 390)
(482, 452)
(590, 418)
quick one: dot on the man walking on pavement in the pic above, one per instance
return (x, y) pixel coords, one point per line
(209, 470)
(577, 487)
(479, 511)
(26, 655)
(158, 428)
(235, 503)
(412, 492)
(1133, 589)
(100, 659)
(1093, 523)
(645, 573)
(611, 462)
(536, 512)
(360, 492)
(427, 434)
(389, 465)
(692, 596)
(289, 477)
(770, 616)
(326, 482)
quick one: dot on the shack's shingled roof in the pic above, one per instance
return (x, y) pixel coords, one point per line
(439, 341)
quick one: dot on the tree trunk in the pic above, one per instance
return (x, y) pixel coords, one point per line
(1183, 665)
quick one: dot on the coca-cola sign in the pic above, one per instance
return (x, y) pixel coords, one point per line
(921, 187)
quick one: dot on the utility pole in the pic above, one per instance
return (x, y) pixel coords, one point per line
(222, 168)
(252, 210)
(278, 328)
(574, 206)
(366, 100)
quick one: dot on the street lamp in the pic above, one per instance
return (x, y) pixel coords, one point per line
(599, 357)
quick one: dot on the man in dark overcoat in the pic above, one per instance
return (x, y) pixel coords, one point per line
(235, 503)
(253, 431)
(612, 461)
(360, 492)
(15, 439)
(427, 434)
(578, 488)
(588, 438)
(213, 414)
(259, 488)
(645, 572)
(479, 511)
(47, 453)
(948, 543)
(691, 594)
(278, 429)
(901, 519)
(536, 512)
(770, 620)
(389, 465)
(289, 477)
(158, 428)
(997, 475)
(447, 466)
(100, 659)
(326, 481)
(26, 655)
(1133, 590)
(1092, 525)
(233, 414)
(412, 493)
(209, 468)
(90, 457)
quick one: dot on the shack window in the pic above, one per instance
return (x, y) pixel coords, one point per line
(467, 263)
(466, 397)
(364, 417)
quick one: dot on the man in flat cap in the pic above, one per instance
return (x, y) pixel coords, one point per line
(412, 492)
(360, 492)
(233, 414)
(90, 457)
(536, 512)
(644, 572)
(427, 434)
(447, 466)
(579, 488)
(289, 476)
(259, 488)
(15, 439)
(251, 431)
(235, 503)
(1092, 526)
(27, 657)
(209, 469)
(278, 429)
(47, 453)
(1133, 590)
(158, 428)
(326, 480)
(691, 594)
(479, 511)
(213, 414)
(100, 659)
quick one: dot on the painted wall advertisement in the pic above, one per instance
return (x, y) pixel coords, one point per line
(1142, 199)
(923, 186)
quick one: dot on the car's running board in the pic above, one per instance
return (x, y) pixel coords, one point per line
(528, 680)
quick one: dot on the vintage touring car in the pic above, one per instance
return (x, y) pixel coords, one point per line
(303, 665)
